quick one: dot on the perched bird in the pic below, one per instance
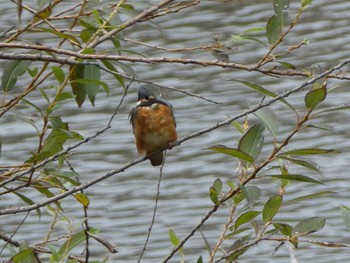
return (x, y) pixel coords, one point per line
(153, 123)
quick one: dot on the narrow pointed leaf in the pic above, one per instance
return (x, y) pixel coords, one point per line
(238, 126)
(82, 198)
(77, 72)
(264, 91)
(308, 151)
(218, 185)
(73, 241)
(27, 200)
(345, 214)
(310, 196)
(232, 152)
(59, 34)
(296, 177)
(238, 231)
(309, 225)
(13, 70)
(117, 76)
(91, 74)
(303, 162)
(270, 120)
(213, 194)
(245, 218)
(273, 29)
(252, 141)
(285, 229)
(251, 193)
(271, 208)
(59, 73)
(174, 239)
(25, 256)
(305, 3)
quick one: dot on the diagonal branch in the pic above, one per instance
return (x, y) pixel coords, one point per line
(139, 160)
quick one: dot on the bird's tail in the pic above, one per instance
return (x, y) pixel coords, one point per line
(156, 159)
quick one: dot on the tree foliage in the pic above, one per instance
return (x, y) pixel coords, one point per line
(76, 60)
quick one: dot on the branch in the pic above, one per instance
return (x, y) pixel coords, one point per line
(71, 61)
(141, 159)
(129, 23)
(154, 211)
(236, 190)
(68, 149)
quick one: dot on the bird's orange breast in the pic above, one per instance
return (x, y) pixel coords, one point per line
(154, 127)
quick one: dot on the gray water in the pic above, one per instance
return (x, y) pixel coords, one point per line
(122, 206)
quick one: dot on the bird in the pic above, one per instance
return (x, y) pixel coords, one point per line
(153, 122)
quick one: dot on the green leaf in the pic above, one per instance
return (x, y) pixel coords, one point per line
(314, 97)
(77, 72)
(238, 126)
(92, 74)
(175, 241)
(252, 141)
(117, 76)
(310, 196)
(213, 194)
(305, 3)
(215, 190)
(43, 14)
(281, 8)
(27, 200)
(86, 34)
(273, 29)
(25, 256)
(59, 73)
(271, 208)
(245, 218)
(59, 34)
(13, 70)
(218, 185)
(254, 29)
(270, 120)
(238, 231)
(263, 91)
(307, 151)
(309, 225)
(73, 241)
(285, 229)
(232, 152)
(82, 198)
(296, 177)
(251, 193)
(303, 162)
(286, 64)
(64, 96)
(345, 214)
(85, 80)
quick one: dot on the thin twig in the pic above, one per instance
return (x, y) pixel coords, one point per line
(141, 159)
(257, 169)
(154, 210)
(264, 59)
(68, 149)
(10, 239)
(222, 236)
